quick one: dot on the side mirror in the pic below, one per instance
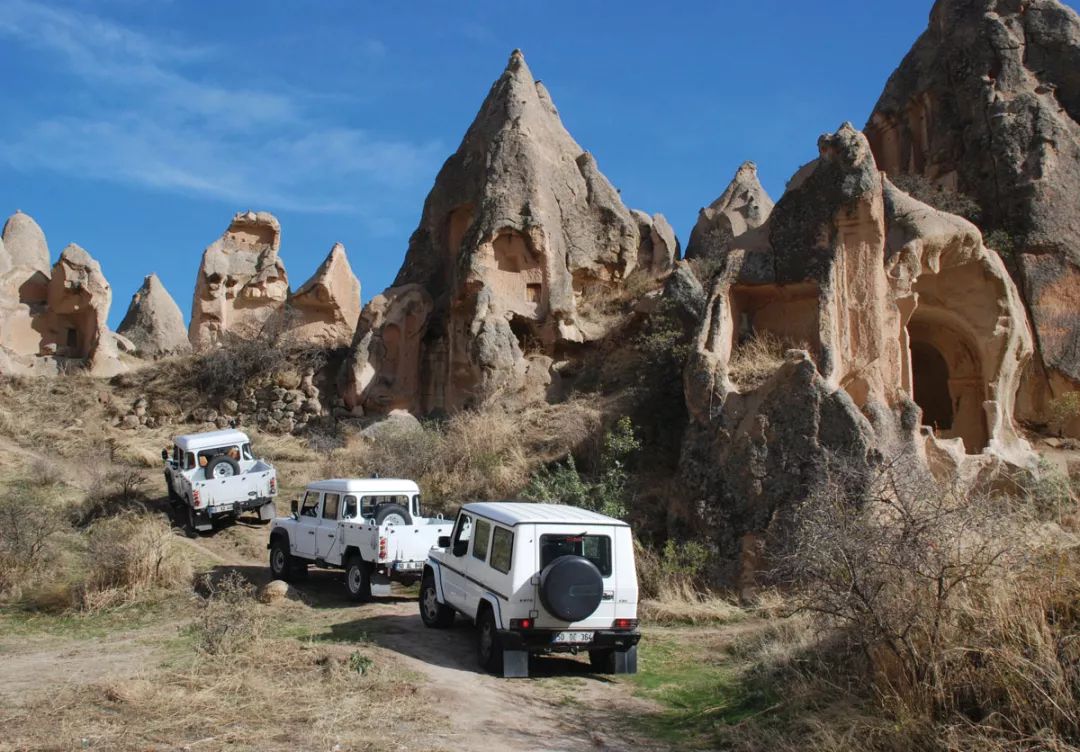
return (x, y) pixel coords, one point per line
(165, 454)
(461, 547)
(294, 506)
(444, 541)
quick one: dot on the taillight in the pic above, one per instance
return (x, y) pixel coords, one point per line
(273, 486)
(195, 499)
(382, 548)
(624, 624)
(521, 624)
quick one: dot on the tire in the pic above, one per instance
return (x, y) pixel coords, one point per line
(174, 498)
(222, 466)
(397, 514)
(358, 579)
(280, 559)
(571, 588)
(434, 614)
(489, 651)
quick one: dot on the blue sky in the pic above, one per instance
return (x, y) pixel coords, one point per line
(136, 128)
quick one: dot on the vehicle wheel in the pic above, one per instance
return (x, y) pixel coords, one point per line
(174, 497)
(191, 530)
(222, 466)
(392, 514)
(488, 646)
(358, 579)
(602, 661)
(434, 614)
(280, 559)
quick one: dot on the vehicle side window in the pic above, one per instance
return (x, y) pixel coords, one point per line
(310, 507)
(177, 455)
(248, 454)
(480, 539)
(189, 461)
(351, 508)
(330, 506)
(502, 549)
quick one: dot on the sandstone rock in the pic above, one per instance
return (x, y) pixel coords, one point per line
(154, 322)
(328, 304)
(5, 258)
(987, 102)
(744, 205)
(241, 281)
(25, 243)
(396, 422)
(130, 421)
(684, 292)
(520, 228)
(278, 591)
(659, 248)
(895, 306)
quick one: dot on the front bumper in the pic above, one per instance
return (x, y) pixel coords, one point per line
(543, 640)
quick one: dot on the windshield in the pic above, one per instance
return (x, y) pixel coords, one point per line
(595, 548)
(205, 455)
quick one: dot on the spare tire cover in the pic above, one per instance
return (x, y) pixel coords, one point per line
(571, 588)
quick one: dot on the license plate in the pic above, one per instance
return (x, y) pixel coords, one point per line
(221, 509)
(574, 637)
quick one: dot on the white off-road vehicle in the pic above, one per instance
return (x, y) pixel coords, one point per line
(370, 527)
(215, 474)
(537, 578)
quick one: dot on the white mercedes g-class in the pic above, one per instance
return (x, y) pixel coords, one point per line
(537, 578)
(370, 527)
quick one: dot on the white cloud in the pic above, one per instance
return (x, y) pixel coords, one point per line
(153, 124)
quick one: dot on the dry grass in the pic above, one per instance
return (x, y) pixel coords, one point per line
(755, 359)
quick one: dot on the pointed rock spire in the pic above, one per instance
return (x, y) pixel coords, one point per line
(25, 243)
(742, 206)
(153, 321)
(328, 304)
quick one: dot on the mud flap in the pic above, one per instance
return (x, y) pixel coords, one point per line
(626, 663)
(267, 511)
(380, 584)
(516, 664)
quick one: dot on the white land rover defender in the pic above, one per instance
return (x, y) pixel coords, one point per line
(215, 474)
(537, 578)
(370, 527)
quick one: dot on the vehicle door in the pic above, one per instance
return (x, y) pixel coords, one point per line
(455, 562)
(476, 567)
(307, 526)
(326, 539)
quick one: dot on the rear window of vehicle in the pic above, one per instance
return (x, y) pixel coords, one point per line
(480, 539)
(502, 548)
(595, 548)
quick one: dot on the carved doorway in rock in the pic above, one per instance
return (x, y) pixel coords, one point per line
(947, 379)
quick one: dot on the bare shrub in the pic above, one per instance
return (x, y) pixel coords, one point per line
(756, 358)
(224, 371)
(1064, 410)
(230, 619)
(116, 492)
(938, 196)
(28, 524)
(128, 556)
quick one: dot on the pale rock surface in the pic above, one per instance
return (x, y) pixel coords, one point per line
(893, 306)
(987, 102)
(154, 325)
(327, 306)
(5, 258)
(241, 281)
(744, 205)
(518, 232)
(25, 243)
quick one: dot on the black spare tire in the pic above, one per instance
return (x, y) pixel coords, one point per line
(571, 588)
(222, 466)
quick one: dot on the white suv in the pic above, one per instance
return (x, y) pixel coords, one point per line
(537, 578)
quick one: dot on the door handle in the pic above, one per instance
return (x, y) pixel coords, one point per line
(330, 536)
(311, 532)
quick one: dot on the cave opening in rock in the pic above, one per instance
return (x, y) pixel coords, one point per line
(930, 374)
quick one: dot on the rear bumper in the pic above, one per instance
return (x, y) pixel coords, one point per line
(235, 507)
(543, 640)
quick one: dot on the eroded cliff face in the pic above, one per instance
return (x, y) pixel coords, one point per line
(241, 281)
(520, 230)
(987, 102)
(908, 338)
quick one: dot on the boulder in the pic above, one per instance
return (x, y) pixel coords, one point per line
(744, 205)
(520, 231)
(395, 423)
(25, 243)
(684, 292)
(987, 104)
(327, 306)
(241, 282)
(279, 591)
(154, 323)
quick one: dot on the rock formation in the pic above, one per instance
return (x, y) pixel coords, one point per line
(5, 259)
(327, 306)
(241, 282)
(519, 231)
(987, 102)
(153, 322)
(742, 206)
(898, 313)
(25, 243)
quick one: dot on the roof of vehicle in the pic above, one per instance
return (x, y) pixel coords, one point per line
(365, 485)
(194, 441)
(517, 512)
